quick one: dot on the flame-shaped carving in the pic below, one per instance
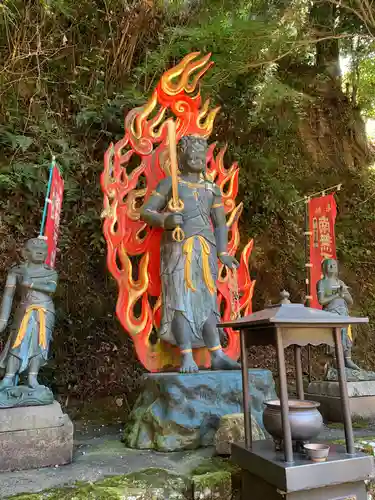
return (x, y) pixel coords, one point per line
(133, 248)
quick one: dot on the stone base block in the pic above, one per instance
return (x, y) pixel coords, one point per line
(361, 399)
(35, 436)
(182, 411)
(232, 430)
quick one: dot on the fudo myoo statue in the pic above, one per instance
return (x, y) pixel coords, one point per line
(189, 267)
(333, 296)
(31, 329)
(175, 267)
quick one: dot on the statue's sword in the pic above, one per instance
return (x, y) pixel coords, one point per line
(175, 204)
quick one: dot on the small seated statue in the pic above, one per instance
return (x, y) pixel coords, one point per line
(189, 269)
(334, 297)
(31, 329)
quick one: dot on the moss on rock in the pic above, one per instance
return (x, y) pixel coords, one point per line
(149, 484)
(215, 464)
(213, 486)
(213, 479)
(232, 430)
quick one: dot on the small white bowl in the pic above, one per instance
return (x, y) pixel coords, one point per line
(317, 452)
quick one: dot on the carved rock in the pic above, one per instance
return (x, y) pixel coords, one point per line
(16, 397)
(183, 411)
(232, 430)
(351, 375)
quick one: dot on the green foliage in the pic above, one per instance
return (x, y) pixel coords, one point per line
(366, 88)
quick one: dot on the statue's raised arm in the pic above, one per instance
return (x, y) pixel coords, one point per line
(153, 211)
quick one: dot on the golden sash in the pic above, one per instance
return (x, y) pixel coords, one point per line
(350, 335)
(207, 276)
(25, 321)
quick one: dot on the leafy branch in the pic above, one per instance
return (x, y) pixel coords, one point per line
(364, 10)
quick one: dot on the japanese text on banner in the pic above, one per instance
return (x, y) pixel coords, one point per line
(322, 216)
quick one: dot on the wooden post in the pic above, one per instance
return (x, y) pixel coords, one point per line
(348, 428)
(299, 376)
(287, 433)
(245, 392)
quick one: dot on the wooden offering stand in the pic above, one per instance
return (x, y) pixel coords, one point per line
(268, 474)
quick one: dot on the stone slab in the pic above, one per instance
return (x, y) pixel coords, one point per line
(177, 412)
(361, 408)
(355, 389)
(49, 443)
(31, 417)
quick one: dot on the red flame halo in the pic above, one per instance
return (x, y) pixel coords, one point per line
(133, 248)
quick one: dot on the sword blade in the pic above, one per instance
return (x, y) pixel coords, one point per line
(173, 158)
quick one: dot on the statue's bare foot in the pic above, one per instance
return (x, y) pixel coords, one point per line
(220, 361)
(188, 365)
(33, 382)
(7, 382)
(350, 364)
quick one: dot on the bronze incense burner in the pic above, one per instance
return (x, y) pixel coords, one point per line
(305, 421)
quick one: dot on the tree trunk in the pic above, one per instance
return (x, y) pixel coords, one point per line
(327, 51)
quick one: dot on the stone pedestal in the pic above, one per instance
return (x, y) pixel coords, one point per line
(361, 399)
(182, 411)
(265, 475)
(35, 436)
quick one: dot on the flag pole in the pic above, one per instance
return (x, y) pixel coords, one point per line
(51, 167)
(308, 296)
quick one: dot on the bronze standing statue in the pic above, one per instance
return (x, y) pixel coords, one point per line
(194, 238)
(31, 329)
(334, 297)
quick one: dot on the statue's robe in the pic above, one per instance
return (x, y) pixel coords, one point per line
(189, 269)
(336, 306)
(30, 333)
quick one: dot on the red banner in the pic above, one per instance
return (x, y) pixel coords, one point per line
(322, 216)
(53, 215)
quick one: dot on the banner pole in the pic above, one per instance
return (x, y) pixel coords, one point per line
(51, 167)
(307, 276)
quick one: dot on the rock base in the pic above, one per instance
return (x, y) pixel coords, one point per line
(351, 375)
(232, 430)
(16, 397)
(35, 436)
(177, 412)
(361, 399)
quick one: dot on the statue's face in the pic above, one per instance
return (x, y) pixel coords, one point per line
(330, 267)
(194, 156)
(36, 251)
